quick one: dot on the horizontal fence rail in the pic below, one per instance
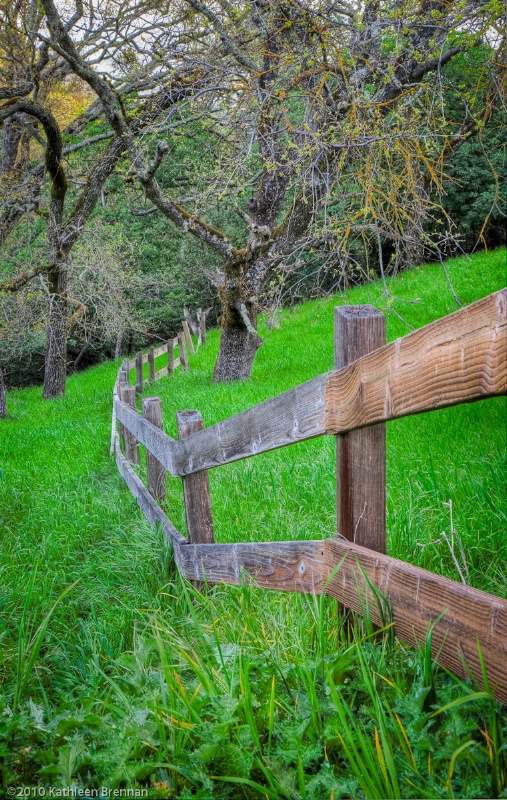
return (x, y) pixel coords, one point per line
(460, 358)
(427, 369)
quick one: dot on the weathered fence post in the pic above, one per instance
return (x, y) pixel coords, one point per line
(360, 454)
(183, 352)
(201, 315)
(128, 396)
(139, 372)
(196, 491)
(125, 371)
(186, 331)
(151, 363)
(152, 411)
(170, 357)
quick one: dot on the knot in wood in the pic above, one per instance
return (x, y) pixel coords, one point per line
(301, 568)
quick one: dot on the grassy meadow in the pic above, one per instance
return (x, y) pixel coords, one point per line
(114, 673)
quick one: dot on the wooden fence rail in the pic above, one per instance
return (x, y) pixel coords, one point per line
(460, 358)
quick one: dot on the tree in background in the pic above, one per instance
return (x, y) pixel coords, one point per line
(328, 128)
(322, 126)
(32, 75)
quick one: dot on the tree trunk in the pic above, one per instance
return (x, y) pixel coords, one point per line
(3, 404)
(10, 137)
(55, 362)
(236, 354)
(119, 343)
(239, 339)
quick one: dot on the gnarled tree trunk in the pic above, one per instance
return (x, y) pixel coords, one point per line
(55, 369)
(239, 339)
(236, 355)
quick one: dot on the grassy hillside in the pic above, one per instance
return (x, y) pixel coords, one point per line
(127, 682)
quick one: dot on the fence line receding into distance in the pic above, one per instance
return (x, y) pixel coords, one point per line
(457, 359)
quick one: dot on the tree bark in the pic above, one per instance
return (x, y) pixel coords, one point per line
(55, 369)
(239, 339)
(236, 355)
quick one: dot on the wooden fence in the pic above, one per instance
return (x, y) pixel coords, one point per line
(460, 358)
(183, 341)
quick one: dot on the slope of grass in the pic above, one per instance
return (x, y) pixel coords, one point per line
(129, 682)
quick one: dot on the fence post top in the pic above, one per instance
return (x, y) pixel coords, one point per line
(188, 415)
(359, 311)
(148, 401)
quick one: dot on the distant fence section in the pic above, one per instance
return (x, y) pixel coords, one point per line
(460, 358)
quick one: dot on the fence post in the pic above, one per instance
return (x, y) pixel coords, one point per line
(125, 374)
(170, 357)
(128, 396)
(196, 491)
(202, 325)
(186, 331)
(360, 454)
(152, 411)
(183, 352)
(151, 363)
(139, 372)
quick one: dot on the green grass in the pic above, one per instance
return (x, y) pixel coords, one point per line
(129, 680)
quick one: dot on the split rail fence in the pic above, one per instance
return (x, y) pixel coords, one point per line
(457, 359)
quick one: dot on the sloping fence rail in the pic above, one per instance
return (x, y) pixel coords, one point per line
(460, 358)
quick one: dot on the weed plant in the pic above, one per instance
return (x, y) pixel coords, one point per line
(116, 673)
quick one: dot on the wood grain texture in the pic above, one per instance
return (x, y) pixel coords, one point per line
(196, 491)
(147, 504)
(360, 454)
(417, 598)
(287, 566)
(458, 359)
(161, 373)
(152, 411)
(188, 337)
(156, 441)
(288, 418)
